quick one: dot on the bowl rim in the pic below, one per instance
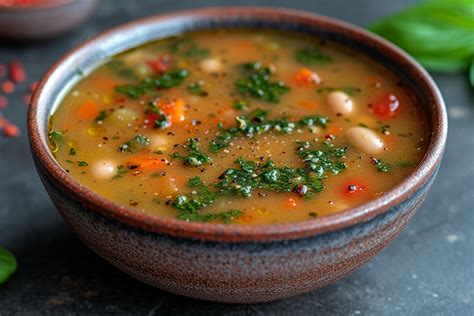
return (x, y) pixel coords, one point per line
(246, 233)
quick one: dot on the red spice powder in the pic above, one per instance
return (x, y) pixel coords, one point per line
(8, 87)
(16, 71)
(11, 130)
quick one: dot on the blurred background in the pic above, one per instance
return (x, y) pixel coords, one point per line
(428, 270)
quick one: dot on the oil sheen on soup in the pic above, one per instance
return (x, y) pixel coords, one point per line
(239, 127)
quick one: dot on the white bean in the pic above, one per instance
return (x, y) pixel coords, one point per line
(103, 169)
(340, 102)
(123, 116)
(159, 141)
(211, 65)
(365, 139)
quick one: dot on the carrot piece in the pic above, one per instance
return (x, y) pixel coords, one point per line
(88, 111)
(308, 105)
(304, 76)
(174, 109)
(334, 129)
(147, 163)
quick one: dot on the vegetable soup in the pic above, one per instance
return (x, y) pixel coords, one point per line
(239, 126)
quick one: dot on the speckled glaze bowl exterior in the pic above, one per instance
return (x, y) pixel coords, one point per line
(234, 263)
(43, 20)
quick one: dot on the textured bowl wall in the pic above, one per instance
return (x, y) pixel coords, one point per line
(233, 272)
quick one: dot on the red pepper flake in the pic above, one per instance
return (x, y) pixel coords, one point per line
(161, 64)
(3, 102)
(8, 87)
(9, 129)
(16, 71)
(330, 137)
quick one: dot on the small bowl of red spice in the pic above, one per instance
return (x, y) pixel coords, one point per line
(41, 19)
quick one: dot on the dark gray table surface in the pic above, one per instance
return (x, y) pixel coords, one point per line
(428, 270)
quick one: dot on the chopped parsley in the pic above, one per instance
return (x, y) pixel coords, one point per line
(82, 164)
(257, 123)
(381, 166)
(248, 176)
(120, 68)
(162, 121)
(195, 157)
(313, 214)
(240, 105)
(72, 151)
(136, 143)
(121, 170)
(168, 80)
(56, 136)
(101, 117)
(258, 84)
(197, 88)
(312, 56)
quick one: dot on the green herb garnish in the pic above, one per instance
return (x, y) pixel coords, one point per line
(121, 170)
(166, 81)
(381, 166)
(312, 56)
(134, 144)
(121, 69)
(101, 117)
(313, 214)
(56, 136)
(197, 88)
(72, 151)
(257, 123)
(82, 164)
(248, 176)
(240, 105)
(259, 85)
(195, 157)
(8, 264)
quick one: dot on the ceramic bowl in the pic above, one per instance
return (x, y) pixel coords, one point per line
(43, 20)
(234, 263)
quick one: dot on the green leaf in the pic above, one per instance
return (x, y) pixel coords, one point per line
(438, 33)
(8, 264)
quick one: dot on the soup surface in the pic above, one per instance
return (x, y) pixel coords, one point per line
(239, 126)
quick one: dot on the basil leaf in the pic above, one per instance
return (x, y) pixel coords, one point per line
(8, 264)
(438, 33)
